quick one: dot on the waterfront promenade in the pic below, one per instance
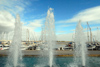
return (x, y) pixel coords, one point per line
(44, 52)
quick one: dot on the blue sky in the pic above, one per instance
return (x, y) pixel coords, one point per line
(66, 13)
(63, 10)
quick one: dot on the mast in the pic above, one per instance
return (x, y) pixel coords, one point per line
(35, 37)
(27, 36)
(97, 34)
(87, 33)
(42, 35)
(90, 33)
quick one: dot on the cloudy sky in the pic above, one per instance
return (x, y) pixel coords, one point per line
(66, 14)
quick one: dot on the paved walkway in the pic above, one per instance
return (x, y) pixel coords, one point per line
(44, 52)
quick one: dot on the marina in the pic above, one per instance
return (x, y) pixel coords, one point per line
(49, 33)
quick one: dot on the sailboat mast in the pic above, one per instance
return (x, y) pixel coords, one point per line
(97, 34)
(27, 36)
(90, 33)
(87, 32)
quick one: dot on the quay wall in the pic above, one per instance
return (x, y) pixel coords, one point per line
(59, 53)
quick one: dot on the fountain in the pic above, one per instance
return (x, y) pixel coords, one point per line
(50, 35)
(49, 39)
(80, 47)
(48, 42)
(15, 54)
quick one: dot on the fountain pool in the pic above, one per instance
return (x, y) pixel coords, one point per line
(60, 61)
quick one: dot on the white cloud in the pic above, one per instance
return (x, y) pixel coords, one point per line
(36, 22)
(6, 21)
(66, 25)
(8, 8)
(7, 24)
(90, 15)
(19, 9)
(13, 6)
(61, 31)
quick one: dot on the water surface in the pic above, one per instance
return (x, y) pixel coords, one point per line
(59, 61)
